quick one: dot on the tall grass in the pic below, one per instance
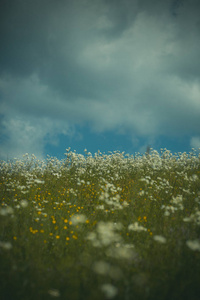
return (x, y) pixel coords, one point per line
(108, 226)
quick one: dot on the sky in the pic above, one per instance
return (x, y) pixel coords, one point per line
(102, 75)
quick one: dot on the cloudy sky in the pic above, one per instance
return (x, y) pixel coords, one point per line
(99, 74)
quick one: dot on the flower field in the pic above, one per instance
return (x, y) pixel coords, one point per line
(108, 226)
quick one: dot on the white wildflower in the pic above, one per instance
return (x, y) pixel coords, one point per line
(195, 217)
(109, 290)
(125, 203)
(93, 238)
(141, 193)
(197, 200)
(193, 244)
(160, 239)
(136, 227)
(39, 181)
(121, 252)
(24, 203)
(54, 293)
(178, 201)
(6, 245)
(100, 206)
(186, 191)
(166, 213)
(194, 177)
(78, 219)
(24, 192)
(105, 234)
(6, 211)
(21, 187)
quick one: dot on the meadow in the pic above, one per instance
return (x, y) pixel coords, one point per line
(107, 226)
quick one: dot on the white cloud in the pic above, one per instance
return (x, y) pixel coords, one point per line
(29, 135)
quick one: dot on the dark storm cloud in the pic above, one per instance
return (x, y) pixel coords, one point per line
(130, 66)
(47, 37)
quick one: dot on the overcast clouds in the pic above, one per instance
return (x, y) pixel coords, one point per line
(127, 66)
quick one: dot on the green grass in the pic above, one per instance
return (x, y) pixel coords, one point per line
(101, 227)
